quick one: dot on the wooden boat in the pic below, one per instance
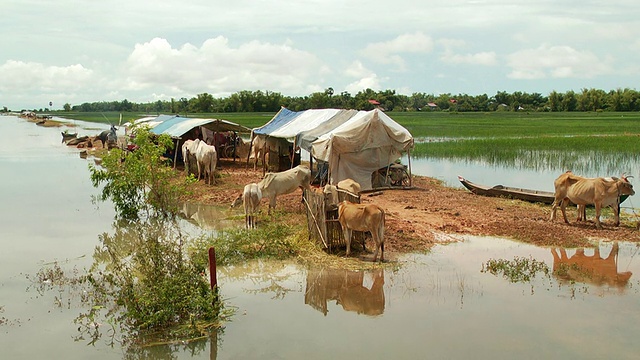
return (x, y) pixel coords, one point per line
(539, 196)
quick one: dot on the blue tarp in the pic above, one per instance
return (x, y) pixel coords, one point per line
(284, 116)
(167, 121)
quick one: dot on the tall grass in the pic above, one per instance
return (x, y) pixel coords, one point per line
(603, 154)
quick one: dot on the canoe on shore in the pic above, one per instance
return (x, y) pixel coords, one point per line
(545, 197)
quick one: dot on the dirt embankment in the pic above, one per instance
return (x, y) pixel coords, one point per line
(431, 213)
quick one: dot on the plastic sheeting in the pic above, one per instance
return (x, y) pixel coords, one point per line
(365, 143)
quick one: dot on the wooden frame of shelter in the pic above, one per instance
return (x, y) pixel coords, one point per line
(322, 221)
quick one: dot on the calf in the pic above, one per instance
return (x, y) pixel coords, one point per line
(250, 198)
(362, 217)
(285, 182)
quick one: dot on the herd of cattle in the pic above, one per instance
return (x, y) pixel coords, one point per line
(569, 188)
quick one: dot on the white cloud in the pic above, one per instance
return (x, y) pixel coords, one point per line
(450, 55)
(218, 68)
(31, 75)
(389, 52)
(556, 62)
(365, 78)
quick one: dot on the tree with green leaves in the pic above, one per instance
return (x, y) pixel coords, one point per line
(140, 182)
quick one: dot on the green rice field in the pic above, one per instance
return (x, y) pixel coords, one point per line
(529, 140)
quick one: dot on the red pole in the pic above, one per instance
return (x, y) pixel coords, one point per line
(212, 268)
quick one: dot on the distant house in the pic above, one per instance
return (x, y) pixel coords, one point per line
(376, 104)
(432, 106)
(453, 101)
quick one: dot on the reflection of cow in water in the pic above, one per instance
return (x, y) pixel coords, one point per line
(589, 269)
(347, 288)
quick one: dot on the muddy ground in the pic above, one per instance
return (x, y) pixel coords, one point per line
(433, 213)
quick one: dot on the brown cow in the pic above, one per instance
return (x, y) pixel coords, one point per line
(585, 191)
(362, 217)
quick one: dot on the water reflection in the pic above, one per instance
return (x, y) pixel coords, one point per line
(207, 217)
(347, 288)
(592, 269)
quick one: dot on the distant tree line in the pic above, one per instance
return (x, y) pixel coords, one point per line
(268, 101)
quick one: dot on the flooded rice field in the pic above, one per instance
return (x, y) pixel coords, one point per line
(479, 297)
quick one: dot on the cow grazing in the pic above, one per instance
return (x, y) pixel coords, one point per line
(362, 217)
(285, 182)
(250, 198)
(189, 148)
(350, 185)
(581, 191)
(207, 159)
(108, 136)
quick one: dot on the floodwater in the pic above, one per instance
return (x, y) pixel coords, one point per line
(435, 305)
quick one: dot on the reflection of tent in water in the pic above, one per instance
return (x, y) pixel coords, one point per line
(590, 269)
(347, 288)
(207, 217)
(354, 144)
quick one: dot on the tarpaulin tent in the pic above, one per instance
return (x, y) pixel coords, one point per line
(354, 143)
(363, 144)
(178, 127)
(287, 124)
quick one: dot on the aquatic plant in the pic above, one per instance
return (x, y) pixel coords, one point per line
(517, 270)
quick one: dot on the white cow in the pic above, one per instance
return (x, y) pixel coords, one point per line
(189, 149)
(250, 198)
(362, 217)
(207, 159)
(284, 182)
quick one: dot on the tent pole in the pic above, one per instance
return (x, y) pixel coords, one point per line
(292, 154)
(250, 146)
(175, 153)
(410, 176)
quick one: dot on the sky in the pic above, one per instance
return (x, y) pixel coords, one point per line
(76, 51)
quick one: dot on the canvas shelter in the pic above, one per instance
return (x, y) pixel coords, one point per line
(368, 141)
(353, 143)
(183, 128)
(287, 124)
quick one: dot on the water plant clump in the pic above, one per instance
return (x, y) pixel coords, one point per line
(517, 270)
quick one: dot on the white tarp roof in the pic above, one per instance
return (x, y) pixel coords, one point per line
(363, 144)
